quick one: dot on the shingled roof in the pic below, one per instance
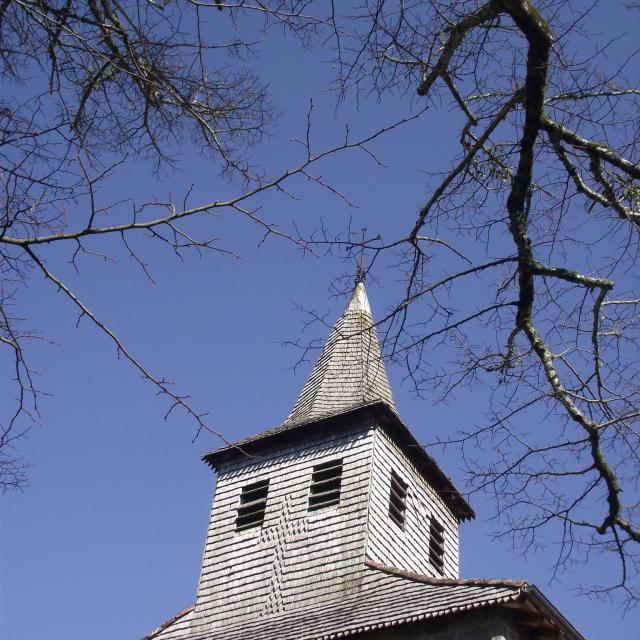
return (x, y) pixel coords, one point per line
(350, 371)
(348, 375)
(386, 598)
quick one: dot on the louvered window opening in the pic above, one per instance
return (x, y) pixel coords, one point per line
(253, 502)
(436, 545)
(326, 482)
(397, 499)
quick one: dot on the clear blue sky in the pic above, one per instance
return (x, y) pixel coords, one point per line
(106, 541)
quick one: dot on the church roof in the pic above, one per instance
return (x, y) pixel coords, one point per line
(350, 372)
(387, 598)
(349, 379)
(348, 375)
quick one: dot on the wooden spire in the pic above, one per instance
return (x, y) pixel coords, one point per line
(350, 372)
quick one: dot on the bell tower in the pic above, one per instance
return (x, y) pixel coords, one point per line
(338, 524)
(300, 509)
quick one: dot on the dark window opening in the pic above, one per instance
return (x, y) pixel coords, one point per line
(325, 485)
(436, 545)
(253, 502)
(397, 499)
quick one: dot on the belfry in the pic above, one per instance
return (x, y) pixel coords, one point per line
(338, 523)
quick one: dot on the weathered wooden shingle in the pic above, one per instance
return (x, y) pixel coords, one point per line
(297, 554)
(407, 547)
(350, 372)
(386, 598)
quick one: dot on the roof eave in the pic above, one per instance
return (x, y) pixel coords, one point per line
(424, 462)
(426, 579)
(537, 599)
(526, 599)
(271, 439)
(168, 623)
(386, 418)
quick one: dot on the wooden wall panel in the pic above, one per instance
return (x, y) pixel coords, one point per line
(407, 548)
(297, 556)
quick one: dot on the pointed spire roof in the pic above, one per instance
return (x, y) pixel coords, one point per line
(350, 372)
(348, 380)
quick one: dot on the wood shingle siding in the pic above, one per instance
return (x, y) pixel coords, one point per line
(299, 555)
(265, 569)
(409, 547)
(381, 600)
(350, 371)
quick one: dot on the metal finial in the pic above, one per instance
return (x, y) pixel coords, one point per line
(361, 273)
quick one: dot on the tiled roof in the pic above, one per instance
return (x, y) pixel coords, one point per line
(386, 598)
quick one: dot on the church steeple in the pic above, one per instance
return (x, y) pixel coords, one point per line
(350, 372)
(298, 508)
(338, 523)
